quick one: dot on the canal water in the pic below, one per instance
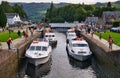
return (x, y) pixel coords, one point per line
(60, 65)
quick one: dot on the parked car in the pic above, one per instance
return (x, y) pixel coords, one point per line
(115, 29)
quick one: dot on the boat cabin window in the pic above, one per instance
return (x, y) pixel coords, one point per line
(38, 48)
(44, 48)
(53, 36)
(32, 48)
(49, 35)
(46, 35)
(80, 45)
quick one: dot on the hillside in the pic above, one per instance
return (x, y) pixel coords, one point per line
(36, 11)
(115, 4)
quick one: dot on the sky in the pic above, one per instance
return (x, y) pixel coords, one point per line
(58, 1)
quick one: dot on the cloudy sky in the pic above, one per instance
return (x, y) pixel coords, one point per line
(57, 1)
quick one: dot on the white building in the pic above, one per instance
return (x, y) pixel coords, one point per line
(13, 18)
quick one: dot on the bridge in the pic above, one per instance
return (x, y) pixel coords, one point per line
(63, 27)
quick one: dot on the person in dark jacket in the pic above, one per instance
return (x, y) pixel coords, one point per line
(19, 33)
(9, 42)
(100, 36)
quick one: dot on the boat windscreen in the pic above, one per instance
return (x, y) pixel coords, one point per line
(38, 48)
(32, 48)
(44, 48)
(46, 36)
(53, 35)
(80, 45)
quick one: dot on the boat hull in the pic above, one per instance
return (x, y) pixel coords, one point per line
(38, 61)
(80, 57)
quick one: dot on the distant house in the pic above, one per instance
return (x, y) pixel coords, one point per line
(110, 16)
(13, 19)
(91, 20)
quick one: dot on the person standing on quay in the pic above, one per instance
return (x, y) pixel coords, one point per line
(110, 42)
(9, 42)
(92, 32)
(19, 33)
(26, 35)
(31, 31)
(100, 36)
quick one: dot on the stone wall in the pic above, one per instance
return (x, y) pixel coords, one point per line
(106, 62)
(9, 58)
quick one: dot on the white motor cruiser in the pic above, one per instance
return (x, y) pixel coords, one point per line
(38, 52)
(50, 36)
(70, 35)
(79, 49)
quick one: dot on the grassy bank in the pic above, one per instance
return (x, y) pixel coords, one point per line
(5, 35)
(115, 36)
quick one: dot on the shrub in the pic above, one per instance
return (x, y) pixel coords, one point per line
(116, 23)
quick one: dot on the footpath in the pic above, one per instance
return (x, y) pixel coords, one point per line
(105, 42)
(18, 41)
(15, 43)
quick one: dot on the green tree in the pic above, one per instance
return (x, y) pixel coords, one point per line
(50, 10)
(80, 14)
(89, 7)
(76, 12)
(3, 19)
(109, 5)
(57, 19)
(15, 9)
(98, 11)
(7, 7)
(116, 23)
(51, 6)
(18, 9)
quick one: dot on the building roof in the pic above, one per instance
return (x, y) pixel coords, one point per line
(62, 24)
(11, 15)
(108, 14)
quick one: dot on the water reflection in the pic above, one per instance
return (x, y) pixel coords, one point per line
(54, 45)
(38, 71)
(79, 64)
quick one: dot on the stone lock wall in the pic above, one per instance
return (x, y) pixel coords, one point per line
(9, 58)
(106, 62)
